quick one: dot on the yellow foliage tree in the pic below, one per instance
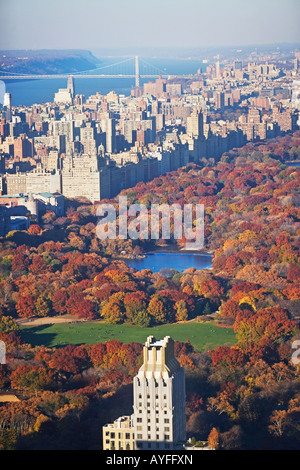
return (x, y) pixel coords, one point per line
(41, 419)
(213, 439)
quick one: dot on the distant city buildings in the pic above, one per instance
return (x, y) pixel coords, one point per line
(17, 210)
(93, 147)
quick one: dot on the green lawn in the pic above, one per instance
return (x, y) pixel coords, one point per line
(203, 336)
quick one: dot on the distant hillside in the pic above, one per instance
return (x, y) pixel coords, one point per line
(47, 61)
(201, 52)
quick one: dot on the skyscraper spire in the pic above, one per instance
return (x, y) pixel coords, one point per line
(71, 87)
(7, 106)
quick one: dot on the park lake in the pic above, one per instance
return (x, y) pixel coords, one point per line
(171, 260)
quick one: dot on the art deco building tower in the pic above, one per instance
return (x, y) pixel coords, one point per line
(7, 106)
(71, 87)
(159, 398)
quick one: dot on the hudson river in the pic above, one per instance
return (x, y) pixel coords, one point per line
(28, 92)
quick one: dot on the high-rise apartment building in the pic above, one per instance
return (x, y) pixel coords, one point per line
(16, 183)
(159, 398)
(41, 181)
(218, 67)
(238, 65)
(195, 124)
(219, 100)
(156, 88)
(108, 126)
(83, 176)
(23, 147)
(158, 420)
(63, 127)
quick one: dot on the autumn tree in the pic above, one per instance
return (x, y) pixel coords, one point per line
(70, 359)
(293, 274)
(278, 422)
(34, 229)
(136, 308)
(8, 324)
(38, 265)
(87, 309)
(113, 310)
(181, 310)
(229, 356)
(213, 439)
(43, 306)
(156, 309)
(2, 376)
(59, 301)
(272, 323)
(31, 378)
(231, 309)
(25, 306)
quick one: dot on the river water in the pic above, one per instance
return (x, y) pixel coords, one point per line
(28, 92)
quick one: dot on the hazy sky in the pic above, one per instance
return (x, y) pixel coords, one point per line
(90, 24)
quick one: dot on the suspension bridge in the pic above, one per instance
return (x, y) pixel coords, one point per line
(132, 67)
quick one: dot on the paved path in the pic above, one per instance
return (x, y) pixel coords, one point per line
(49, 320)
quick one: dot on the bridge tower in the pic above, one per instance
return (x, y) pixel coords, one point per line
(137, 72)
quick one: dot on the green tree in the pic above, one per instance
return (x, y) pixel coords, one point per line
(207, 310)
(142, 318)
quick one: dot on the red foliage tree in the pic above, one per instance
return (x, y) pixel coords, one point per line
(70, 359)
(25, 306)
(38, 265)
(293, 274)
(87, 309)
(230, 356)
(59, 301)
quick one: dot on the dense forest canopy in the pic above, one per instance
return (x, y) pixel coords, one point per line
(249, 393)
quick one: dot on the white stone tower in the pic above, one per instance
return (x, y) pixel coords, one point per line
(159, 398)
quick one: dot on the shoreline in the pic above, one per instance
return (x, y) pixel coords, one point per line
(165, 249)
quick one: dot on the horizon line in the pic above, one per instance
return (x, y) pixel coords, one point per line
(156, 47)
